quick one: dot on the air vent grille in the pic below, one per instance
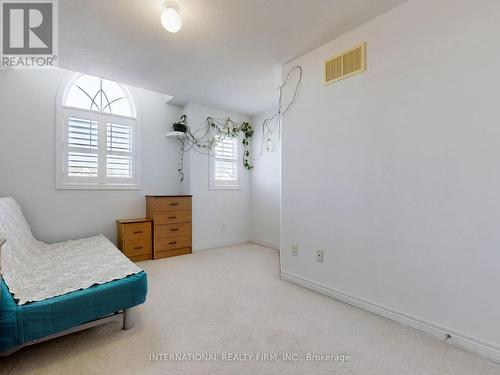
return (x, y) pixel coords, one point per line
(346, 64)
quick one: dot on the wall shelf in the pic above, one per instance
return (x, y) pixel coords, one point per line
(175, 134)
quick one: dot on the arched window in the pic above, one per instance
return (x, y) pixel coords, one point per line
(97, 136)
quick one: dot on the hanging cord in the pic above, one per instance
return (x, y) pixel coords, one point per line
(270, 125)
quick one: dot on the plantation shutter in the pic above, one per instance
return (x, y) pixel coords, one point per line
(226, 161)
(83, 144)
(99, 150)
(119, 151)
(224, 164)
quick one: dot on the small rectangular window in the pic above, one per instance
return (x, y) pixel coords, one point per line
(224, 165)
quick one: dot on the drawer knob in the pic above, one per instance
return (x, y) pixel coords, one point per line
(138, 231)
(138, 248)
(174, 204)
(172, 243)
(172, 217)
(174, 229)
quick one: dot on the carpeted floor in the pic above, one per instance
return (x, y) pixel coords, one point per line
(230, 301)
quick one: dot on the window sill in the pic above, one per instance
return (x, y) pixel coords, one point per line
(225, 187)
(97, 187)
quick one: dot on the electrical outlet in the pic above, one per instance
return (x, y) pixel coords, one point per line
(295, 250)
(319, 256)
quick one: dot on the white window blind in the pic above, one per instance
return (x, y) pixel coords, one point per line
(227, 148)
(97, 137)
(83, 142)
(224, 171)
(119, 162)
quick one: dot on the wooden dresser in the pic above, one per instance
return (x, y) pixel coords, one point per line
(134, 238)
(172, 230)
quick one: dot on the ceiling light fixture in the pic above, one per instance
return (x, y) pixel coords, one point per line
(170, 18)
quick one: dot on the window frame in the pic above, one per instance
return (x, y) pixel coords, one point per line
(213, 185)
(63, 113)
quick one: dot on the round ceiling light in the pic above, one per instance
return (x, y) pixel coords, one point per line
(170, 18)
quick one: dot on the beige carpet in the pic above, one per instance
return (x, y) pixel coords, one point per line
(230, 300)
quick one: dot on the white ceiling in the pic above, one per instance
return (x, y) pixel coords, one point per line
(224, 55)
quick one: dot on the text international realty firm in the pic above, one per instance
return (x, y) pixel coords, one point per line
(246, 357)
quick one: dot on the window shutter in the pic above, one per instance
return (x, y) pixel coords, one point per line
(226, 171)
(227, 148)
(119, 138)
(119, 155)
(225, 163)
(83, 143)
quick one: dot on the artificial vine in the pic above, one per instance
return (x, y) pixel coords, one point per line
(204, 139)
(247, 131)
(233, 129)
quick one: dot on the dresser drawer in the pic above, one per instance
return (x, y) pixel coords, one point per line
(136, 231)
(137, 247)
(172, 253)
(172, 230)
(162, 244)
(172, 217)
(173, 204)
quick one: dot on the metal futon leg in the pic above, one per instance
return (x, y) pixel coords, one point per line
(128, 319)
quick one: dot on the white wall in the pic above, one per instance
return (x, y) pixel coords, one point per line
(395, 173)
(265, 182)
(220, 217)
(27, 159)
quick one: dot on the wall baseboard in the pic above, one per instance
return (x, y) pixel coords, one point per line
(212, 245)
(265, 243)
(487, 350)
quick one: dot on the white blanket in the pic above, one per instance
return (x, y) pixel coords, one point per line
(35, 271)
